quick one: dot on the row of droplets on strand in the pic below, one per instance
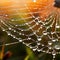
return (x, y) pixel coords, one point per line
(44, 8)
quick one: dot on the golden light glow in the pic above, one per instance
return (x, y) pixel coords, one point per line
(34, 0)
(10, 7)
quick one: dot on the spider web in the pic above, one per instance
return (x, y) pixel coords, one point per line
(33, 32)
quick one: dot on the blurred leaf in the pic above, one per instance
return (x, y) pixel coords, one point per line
(30, 55)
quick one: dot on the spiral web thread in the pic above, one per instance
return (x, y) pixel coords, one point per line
(39, 35)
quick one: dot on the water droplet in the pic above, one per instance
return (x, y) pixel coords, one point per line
(39, 39)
